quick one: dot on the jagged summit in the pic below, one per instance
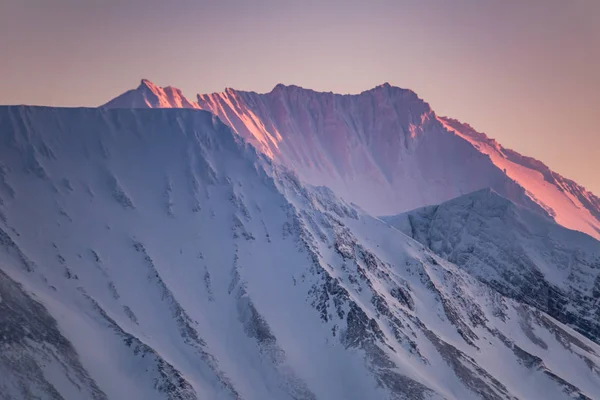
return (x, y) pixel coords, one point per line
(384, 149)
(149, 95)
(386, 86)
(146, 83)
(281, 87)
(292, 88)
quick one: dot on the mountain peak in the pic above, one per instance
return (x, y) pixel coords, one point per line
(146, 83)
(281, 87)
(389, 88)
(149, 95)
(386, 86)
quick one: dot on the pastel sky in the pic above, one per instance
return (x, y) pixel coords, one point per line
(526, 72)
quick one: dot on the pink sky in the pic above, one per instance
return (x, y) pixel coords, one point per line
(525, 72)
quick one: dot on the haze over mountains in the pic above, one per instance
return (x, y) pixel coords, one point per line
(384, 149)
(162, 248)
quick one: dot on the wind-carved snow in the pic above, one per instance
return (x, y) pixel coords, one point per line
(225, 276)
(386, 150)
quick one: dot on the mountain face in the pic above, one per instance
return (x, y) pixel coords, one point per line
(153, 254)
(387, 151)
(519, 253)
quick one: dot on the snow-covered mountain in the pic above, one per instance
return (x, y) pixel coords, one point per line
(518, 252)
(385, 149)
(153, 254)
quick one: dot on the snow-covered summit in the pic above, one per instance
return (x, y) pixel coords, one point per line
(387, 151)
(149, 95)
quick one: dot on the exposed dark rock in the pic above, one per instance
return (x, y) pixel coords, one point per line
(169, 381)
(473, 376)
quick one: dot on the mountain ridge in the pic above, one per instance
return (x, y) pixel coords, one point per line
(585, 196)
(386, 150)
(206, 270)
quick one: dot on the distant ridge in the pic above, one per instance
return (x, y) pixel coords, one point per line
(384, 149)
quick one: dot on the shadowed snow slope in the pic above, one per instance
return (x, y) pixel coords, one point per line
(387, 151)
(520, 253)
(152, 254)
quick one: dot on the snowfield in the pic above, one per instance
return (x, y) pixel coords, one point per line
(154, 254)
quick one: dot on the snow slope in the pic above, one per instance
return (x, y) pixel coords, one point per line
(520, 253)
(152, 254)
(386, 150)
(570, 204)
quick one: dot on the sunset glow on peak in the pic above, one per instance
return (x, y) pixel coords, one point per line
(301, 199)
